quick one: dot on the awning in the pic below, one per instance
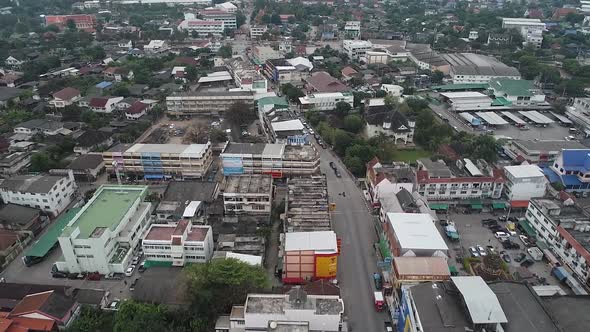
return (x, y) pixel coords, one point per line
(476, 206)
(438, 206)
(526, 227)
(499, 205)
(519, 204)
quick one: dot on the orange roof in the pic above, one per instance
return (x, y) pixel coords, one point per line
(31, 303)
(519, 204)
(27, 324)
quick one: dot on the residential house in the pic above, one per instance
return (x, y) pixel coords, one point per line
(324, 82)
(14, 162)
(46, 311)
(118, 73)
(12, 62)
(136, 111)
(92, 140)
(9, 95)
(20, 218)
(86, 167)
(125, 103)
(39, 126)
(156, 46)
(383, 119)
(103, 104)
(65, 97)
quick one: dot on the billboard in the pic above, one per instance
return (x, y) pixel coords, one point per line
(326, 266)
(404, 323)
(232, 165)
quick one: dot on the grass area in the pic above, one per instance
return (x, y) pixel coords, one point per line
(410, 155)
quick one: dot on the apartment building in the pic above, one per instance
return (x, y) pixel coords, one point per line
(248, 194)
(82, 22)
(178, 244)
(160, 161)
(356, 49)
(531, 29)
(103, 234)
(571, 168)
(352, 30)
(524, 182)
(278, 160)
(219, 15)
(579, 113)
(294, 71)
(325, 101)
(51, 194)
(464, 180)
(293, 311)
(256, 31)
(202, 27)
(206, 102)
(246, 75)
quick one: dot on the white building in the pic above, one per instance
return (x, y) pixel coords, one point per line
(477, 68)
(524, 182)
(467, 100)
(325, 101)
(178, 243)
(531, 29)
(228, 19)
(473, 35)
(51, 194)
(356, 49)
(227, 6)
(12, 62)
(250, 194)
(414, 234)
(156, 46)
(256, 31)
(103, 235)
(579, 113)
(202, 27)
(265, 53)
(65, 97)
(352, 30)
(266, 312)
(104, 104)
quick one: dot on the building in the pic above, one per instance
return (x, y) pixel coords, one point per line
(91, 140)
(352, 30)
(262, 54)
(356, 49)
(14, 162)
(203, 102)
(51, 194)
(464, 180)
(103, 104)
(178, 244)
(8, 95)
(136, 111)
(39, 126)
(383, 120)
(82, 22)
(251, 194)
(385, 180)
(86, 167)
(524, 182)
(20, 218)
(118, 74)
(179, 195)
(156, 46)
(518, 92)
(215, 14)
(246, 75)
(12, 62)
(471, 304)
(531, 29)
(579, 113)
(323, 82)
(426, 58)
(294, 71)
(103, 235)
(325, 101)
(498, 38)
(295, 311)
(415, 270)
(44, 311)
(307, 207)
(571, 169)
(539, 151)
(202, 27)
(160, 161)
(309, 256)
(477, 68)
(227, 6)
(256, 31)
(414, 234)
(65, 97)
(278, 160)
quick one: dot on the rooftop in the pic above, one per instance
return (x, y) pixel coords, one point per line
(307, 205)
(164, 232)
(416, 231)
(278, 303)
(244, 148)
(512, 87)
(17, 214)
(477, 64)
(248, 184)
(481, 302)
(421, 266)
(322, 241)
(524, 171)
(40, 184)
(86, 161)
(105, 209)
(549, 145)
(324, 82)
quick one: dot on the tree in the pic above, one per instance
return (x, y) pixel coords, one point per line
(40, 162)
(240, 114)
(275, 18)
(240, 19)
(121, 90)
(353, 123)
(341, 140)
(225, 51)
(192, 73)
(217, 135)
(91, 319)
(355, 165)
(71, 25)
(292, 92)
(437, 77)
(342, 108)
(215, 286)
(134, 316)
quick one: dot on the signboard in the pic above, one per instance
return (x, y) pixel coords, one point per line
(326, 266)
(232, 166)
(403, 321)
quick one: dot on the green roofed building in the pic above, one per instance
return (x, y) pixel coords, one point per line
(516, 92)
(102, 235)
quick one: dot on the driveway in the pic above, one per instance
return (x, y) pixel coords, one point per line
(357, 262)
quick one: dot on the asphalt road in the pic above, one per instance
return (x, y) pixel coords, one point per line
(358, 261)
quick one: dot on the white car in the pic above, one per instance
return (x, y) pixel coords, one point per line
(502, 236)
(481, 250)
(129, 271)
(473, 251)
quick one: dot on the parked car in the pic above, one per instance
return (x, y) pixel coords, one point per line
(521, 257)
(502, 218)
(129, 271)
(502, 236)
(58, 274)
(513, 219)
(498, 228)
(473, 252)
(332, 165)
(132, 286)
(491, 250)
(141, 267)
(489, 222)
(506, 257)
(443, 222)
(525, 240)
(338, 175)
(481, 250)
(135, 260)
(115, 304)
(510, 245)
(527, 262)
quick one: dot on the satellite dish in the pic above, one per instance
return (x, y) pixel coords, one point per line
(273, 325)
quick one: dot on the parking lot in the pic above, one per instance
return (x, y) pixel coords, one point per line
(472, 233)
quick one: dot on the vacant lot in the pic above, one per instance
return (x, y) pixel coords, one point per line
(410, 156)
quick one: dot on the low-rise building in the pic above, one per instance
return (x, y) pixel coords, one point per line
(477, 68)
(426, 58)
(518, 92)
(118, 74)
(156, 46)
(356, 49)
(136, 110)
(51, 194)
(250, 194)
(538, 150)
(262, 54)
(39, 126)
(103, 235)
(86, 167)
(384, 180)
(309, 256)
(294, 311)
(14, 162)
(227, 6)
(103, 104)
(321, 81)
(325, 101)
(203, 102)
(294, 71)
(383, 120)
(179, 195)
(352, 30)
(437, 181)
(178, 244)
(82, 22)
(246, 75)
(160, 161)
(278, 160)
(20, 218)
(256, 31)
(65, 97)
(307, 207)
(414, 234)
(44, 311)
(216, 14)
(524, 182)
(572, 169)
(92, 140)
(202, 27)
(415, 270)
(579, 113)
(531, 29)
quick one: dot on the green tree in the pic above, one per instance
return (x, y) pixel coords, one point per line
(92, 320)
(437, 77)
(353, 123)
(217, 135)
(342, 108)
(240, 19)
(341, 140)
(240, 113)
(275, 19)
(134, 316)
(355, 165)
(192, 73)
(225, 51)
(214, 287)
(71, 25)
(292, 92)
(40, 162)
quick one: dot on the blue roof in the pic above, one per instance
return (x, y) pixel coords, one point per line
(561, 273)
(571, 180)
(103, 84)
(553, 177)
(575, 158)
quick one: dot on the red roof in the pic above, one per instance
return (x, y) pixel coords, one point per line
(197, 234)
(535, 13)
(160, 233)
(23, 324)
(136, 107)
(84, 22)
(180, 227)
(422, 177)
(66, 93)
(519, 204)
(7, 239)
(348, 71)
(324, 82)
(98, 102)
(31, 303)
(562, 12)
(574, 243)
(185, 60)
(447, 151)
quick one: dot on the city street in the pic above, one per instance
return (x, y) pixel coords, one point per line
(357, 262)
